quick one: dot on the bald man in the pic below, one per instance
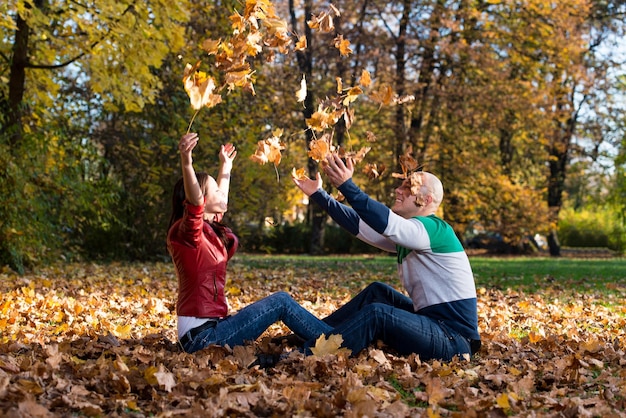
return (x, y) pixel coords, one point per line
(438, 319)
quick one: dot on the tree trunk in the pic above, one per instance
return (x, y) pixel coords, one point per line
(17, 82)
(316, 215)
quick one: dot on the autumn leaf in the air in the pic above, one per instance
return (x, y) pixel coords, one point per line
(343, 45)
(330, 345)
(298, 174)
(320, 149)
(357, 156)
(384, 95)
(322, 118)
(373, 170)
(269, 150)
(352, 95)
(365, 79)
(301, 43)
(324, 21)
(199, 86)
(407, 162)
(301, 93)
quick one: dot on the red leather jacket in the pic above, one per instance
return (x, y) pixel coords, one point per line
(200, 257)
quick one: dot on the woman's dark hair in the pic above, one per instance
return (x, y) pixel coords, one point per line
(178, 208)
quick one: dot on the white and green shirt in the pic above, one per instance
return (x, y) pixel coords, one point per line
(432, 264)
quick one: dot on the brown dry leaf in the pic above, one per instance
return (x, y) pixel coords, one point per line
(301, 44)
(373, 170)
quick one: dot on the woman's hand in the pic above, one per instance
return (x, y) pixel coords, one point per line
(186, 144)
(227, 155)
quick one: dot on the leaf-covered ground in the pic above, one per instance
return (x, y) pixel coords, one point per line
(99, 340)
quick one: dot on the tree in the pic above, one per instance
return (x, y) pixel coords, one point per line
(110, 48)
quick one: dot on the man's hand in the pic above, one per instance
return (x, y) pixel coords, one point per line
(337, 171)
(307, 185)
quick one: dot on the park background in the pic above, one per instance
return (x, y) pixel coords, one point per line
(516, 105)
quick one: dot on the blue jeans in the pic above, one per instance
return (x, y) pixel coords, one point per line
(380, 312)
(250, 322)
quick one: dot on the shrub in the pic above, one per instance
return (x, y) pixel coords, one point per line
(592, 227)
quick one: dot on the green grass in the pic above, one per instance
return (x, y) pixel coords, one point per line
(529, 274)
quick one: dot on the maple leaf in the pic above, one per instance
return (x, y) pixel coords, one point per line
(164, 378)
(343, 45)
(322, 118)
(301, 44)
(298, 174)
(211, 46)
(356, 156)
(373, 170)
(352, 95)
(365, 79)
(269, 149)
(199, 86)
(384, 95)
(330, 345)
(407, 162)
(319, 149)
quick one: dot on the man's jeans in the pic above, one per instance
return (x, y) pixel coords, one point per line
(250, 322)
(380, 312)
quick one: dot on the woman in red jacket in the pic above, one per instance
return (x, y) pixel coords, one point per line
(200, 247)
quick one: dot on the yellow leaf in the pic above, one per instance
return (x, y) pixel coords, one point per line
(122, 331)
(199, 86)
(503, 401)
(365, 79)
(301, 44)
(325, 346)
(384, 95)
(298, 174)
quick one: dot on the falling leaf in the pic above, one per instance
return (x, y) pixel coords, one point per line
(269, 150)
(343, 45)
(365, 79)
(357, 157)
(383, 96)
(301, 44)
(298, 174)
(352, 95)
(320, 149)
(373, 170)
(199, 86)
(301, 93)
